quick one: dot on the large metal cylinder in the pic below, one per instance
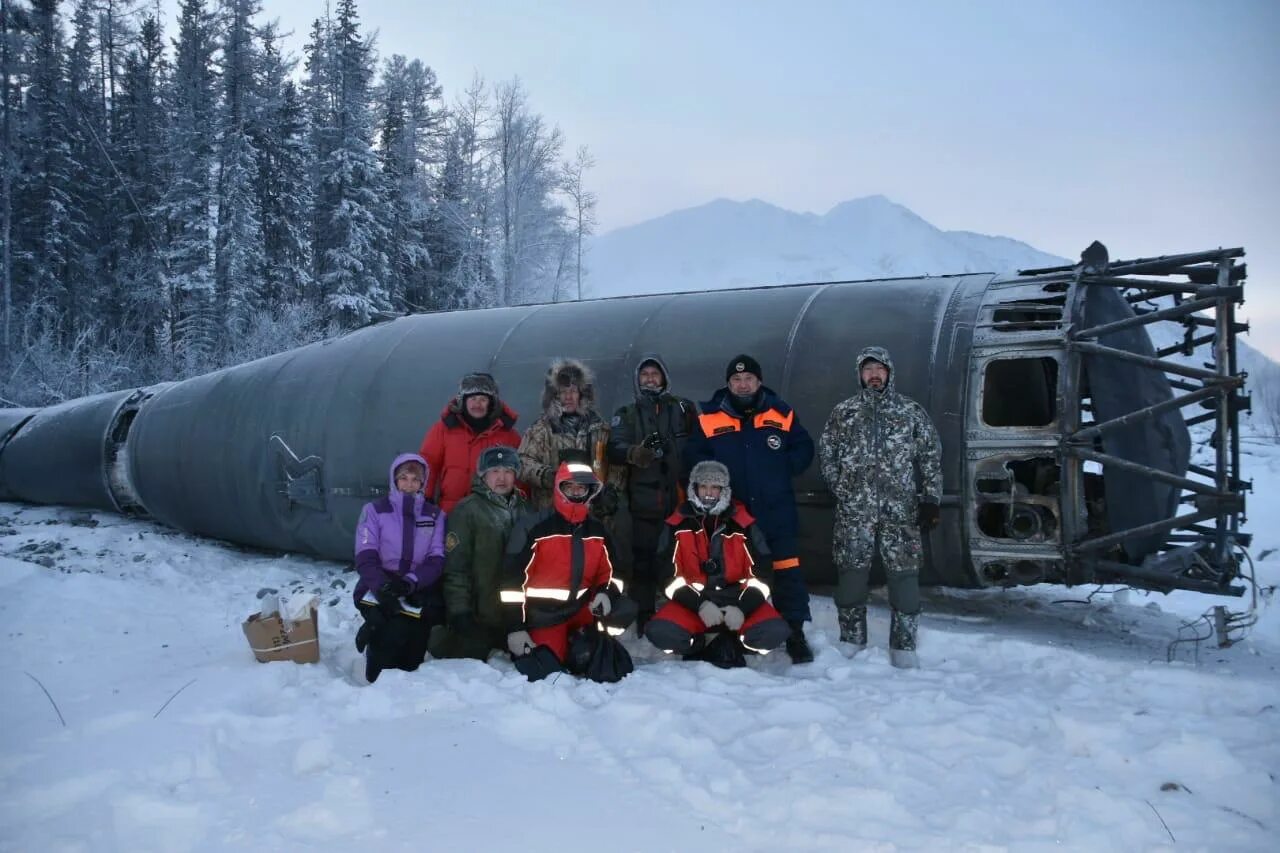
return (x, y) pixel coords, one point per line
(281, 453)
(215, 455)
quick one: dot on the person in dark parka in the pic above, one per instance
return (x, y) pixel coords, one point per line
(754, 433)
(647, 438)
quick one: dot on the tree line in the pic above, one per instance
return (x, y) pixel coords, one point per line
(175, 203)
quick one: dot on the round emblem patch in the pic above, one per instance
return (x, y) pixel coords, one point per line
(739, 367)
(774, 442)
(451, 542)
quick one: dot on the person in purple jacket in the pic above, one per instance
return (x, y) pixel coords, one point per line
(400, 558)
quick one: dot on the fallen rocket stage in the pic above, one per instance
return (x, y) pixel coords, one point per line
(1066, 442)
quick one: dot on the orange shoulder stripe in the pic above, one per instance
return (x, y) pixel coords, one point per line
(718, 422)
(775, 419)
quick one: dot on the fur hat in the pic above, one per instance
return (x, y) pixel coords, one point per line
(478, 383)
(498, 456)
(565, 372)
(710, 473)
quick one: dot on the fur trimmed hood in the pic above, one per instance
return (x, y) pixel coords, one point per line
(564, 372)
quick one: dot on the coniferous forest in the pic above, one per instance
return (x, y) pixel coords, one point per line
(180, 196)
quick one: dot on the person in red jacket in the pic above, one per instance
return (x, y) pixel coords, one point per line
(712, 545)
(558, 572)
(472, 422)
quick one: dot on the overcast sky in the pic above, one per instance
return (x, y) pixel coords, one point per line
(1152, 125)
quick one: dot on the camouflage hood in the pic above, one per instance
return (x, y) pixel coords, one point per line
(881, 355)
(564, 372)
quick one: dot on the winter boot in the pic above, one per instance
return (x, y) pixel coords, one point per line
(696, 648)
(902, 639)
(363, 636)
(853, 626)
(797, 646)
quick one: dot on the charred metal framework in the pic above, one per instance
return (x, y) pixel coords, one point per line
(1038, 461)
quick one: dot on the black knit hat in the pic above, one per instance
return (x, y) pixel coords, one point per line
(743, 364)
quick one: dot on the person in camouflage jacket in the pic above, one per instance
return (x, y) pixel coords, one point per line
(478, 530)
(570, 422)
(882, 461)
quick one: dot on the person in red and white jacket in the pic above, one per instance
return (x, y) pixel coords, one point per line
(712, 546)
(558, 571)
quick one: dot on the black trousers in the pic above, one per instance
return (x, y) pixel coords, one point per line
(644, 572)
(398, 641)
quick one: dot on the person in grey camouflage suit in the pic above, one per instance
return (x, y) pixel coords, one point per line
(882, 460)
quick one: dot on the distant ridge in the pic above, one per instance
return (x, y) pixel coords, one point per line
(726, 243)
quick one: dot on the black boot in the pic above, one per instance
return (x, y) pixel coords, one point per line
(797, 646)
(696, 648)
(902, 639)
(363, 636)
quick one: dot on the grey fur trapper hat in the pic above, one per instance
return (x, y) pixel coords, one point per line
(710, 473)
(478, 383)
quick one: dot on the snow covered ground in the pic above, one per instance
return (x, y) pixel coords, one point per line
(1041, 719)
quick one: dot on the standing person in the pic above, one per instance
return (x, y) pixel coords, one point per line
(400, 558)
(479, 527)
(569, 422)
(558, 570)
(473, 420)
(757, 436)
(711, 545)
(647, 436)
(882, 461)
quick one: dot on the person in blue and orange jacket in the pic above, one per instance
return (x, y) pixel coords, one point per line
(754, 433)
(712, 547)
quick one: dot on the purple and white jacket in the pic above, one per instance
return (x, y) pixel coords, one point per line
(400, 536)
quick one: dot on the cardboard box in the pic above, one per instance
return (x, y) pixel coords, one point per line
(274, 638)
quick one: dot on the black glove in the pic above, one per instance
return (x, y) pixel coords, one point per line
(419, 598)
(655, 442)
(640, 456)
(463, 623)
(927, 515)
(388, 595)
(607, 502)
(547, 479)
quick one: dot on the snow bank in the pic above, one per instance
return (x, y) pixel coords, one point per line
(1038, 721)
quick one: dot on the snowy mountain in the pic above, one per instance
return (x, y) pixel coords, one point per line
(733, 244)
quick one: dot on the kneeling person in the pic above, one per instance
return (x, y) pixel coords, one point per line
(479, 527)
(400, 557)
(558, 571)
(712, 545)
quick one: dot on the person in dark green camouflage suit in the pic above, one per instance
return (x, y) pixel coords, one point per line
(882, 461)
(478, 529)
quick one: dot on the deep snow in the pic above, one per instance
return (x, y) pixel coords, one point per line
(1039, 720)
